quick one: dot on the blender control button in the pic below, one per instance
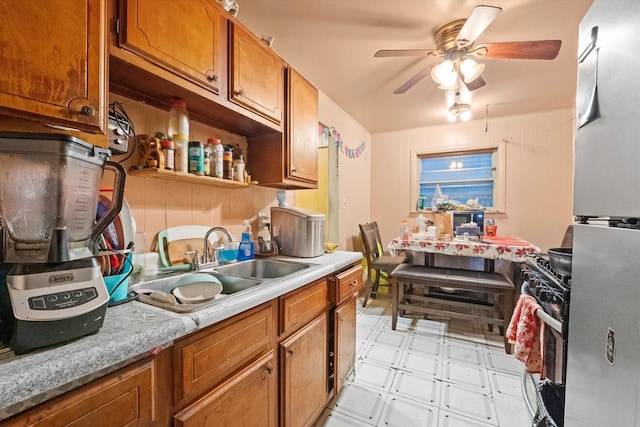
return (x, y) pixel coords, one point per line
(77, 294)
(66, 295)
(90, 293)
(38, 303)
(52, 298)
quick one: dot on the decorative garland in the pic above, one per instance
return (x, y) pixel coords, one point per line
(331, 132)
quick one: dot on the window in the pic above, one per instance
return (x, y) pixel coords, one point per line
(462, 175)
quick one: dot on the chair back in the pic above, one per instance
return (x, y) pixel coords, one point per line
(369, 241)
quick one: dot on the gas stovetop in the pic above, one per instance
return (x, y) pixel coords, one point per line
(550, 289)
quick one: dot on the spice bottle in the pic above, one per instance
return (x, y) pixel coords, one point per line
(179, 119)
(196, 158)
(217, 162)
(168, 149)
(227, 160)
(238, 169)
(208, 158)
(181, 143)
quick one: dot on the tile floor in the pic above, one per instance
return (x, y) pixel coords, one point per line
(427, 373)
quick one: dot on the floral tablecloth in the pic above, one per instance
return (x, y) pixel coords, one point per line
(508, 248)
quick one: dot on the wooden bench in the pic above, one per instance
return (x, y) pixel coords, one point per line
(415, 288)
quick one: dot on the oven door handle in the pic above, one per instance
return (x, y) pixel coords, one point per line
(555, 324)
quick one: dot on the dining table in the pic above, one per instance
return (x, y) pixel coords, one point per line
(490, 248)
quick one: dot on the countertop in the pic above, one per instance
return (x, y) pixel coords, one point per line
(130, 332)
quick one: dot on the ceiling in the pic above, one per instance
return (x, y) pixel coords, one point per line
(332, 43)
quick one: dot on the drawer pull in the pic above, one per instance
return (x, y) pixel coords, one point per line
(354, 283)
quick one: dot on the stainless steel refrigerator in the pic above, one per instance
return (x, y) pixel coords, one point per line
(603, 368)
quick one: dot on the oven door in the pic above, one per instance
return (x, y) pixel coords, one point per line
(544, 393)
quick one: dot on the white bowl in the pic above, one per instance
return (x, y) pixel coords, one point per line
(196, 288)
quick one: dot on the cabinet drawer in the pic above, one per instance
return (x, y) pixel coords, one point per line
(247, 399)
(349, 282)
(300, 307)
(206, 358)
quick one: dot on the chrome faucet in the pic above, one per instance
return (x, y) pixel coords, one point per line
(205, 256)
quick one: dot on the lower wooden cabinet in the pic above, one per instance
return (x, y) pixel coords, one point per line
(345, 342)
(304, 367)
(204, 359)
(247, 399)
(132, 396)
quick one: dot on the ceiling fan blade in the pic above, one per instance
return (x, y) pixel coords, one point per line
(533, 49)
(413, 80)
(407, 52)
(481, 17)
(476, 84)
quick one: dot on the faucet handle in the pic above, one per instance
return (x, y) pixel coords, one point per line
(196, 258)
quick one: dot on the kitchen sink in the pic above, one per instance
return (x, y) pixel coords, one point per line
(262, 268)
(234, 278)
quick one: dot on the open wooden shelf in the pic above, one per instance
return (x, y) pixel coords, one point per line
(186, 177)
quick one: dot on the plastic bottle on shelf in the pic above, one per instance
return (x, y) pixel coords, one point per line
(179, 119)
(238, 169)
(208, 158)
(181, 143)
(404, 230)
(217, 162)
(420, 225)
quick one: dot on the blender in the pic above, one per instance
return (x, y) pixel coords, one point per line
(51, 286)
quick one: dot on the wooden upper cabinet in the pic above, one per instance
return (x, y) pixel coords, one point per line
(182, 36)
(302, 127)
(256, 75)
(53, 62)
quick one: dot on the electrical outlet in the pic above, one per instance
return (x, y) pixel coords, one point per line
(118, 133)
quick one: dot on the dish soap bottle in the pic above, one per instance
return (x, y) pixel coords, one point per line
(246, 245)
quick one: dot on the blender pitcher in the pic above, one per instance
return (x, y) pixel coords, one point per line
(49, 187)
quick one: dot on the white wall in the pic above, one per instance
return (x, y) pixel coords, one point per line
(539, 171)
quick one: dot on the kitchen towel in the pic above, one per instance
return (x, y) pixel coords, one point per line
(524, 332)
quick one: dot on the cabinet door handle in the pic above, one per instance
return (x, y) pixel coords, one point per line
(239, 92)
(212, 77)
(291, 351)
(341, 318)
(87, 110)
(270, 369)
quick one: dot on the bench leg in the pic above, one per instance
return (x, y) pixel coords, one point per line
(394, 302)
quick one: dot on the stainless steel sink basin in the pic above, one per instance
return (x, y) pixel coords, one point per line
(262, 268)
(230, 283)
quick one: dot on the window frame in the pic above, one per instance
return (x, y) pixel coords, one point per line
(499, 189)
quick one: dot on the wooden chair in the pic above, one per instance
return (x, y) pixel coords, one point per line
(379, 263)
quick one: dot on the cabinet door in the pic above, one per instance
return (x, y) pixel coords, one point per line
(247, 399)
(53, 62)
(183, 36)
(124, 398)
(256, 75)
(302, 127)
(304, 374)
(345, 339)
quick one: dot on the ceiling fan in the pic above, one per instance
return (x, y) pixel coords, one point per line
(455, 43)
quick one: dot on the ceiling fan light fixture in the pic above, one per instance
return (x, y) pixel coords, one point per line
(462, 111)
(471, 70)
(443, 72)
